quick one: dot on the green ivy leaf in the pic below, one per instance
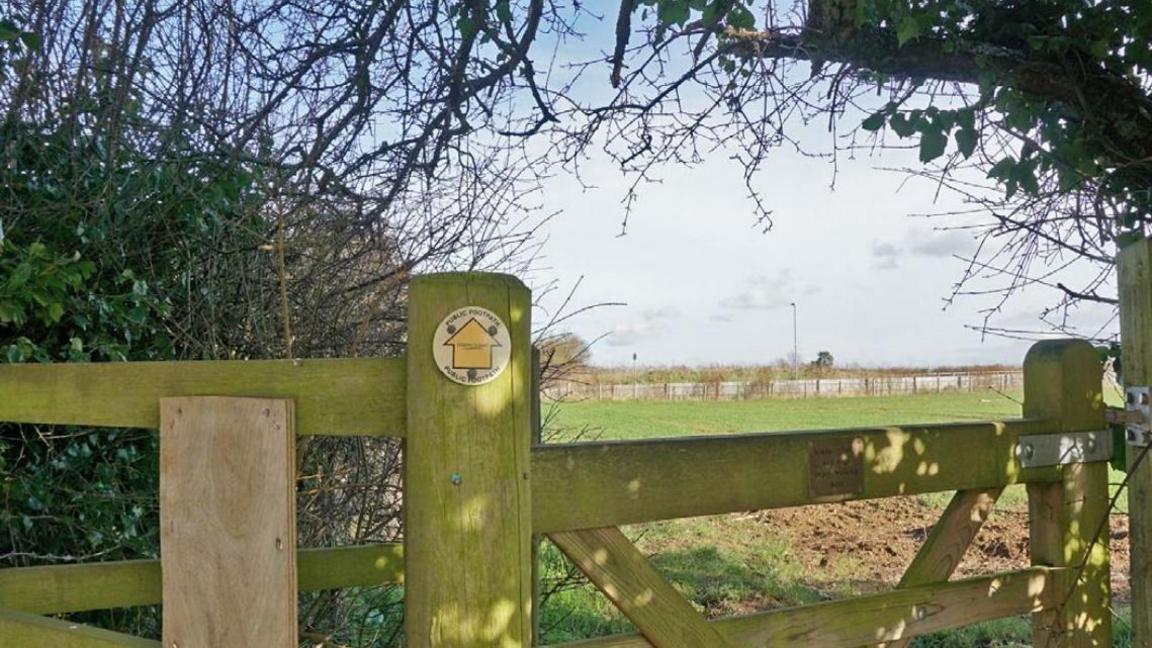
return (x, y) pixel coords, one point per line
(467, 25)
(966, 139)
(55, 312)
(8, 31)
(966, 119)
(1068, 179)
(932, 145)
(1028, 181)
(708, 13)
(673, 12)
(20, 276)
(909, 29)
(15, 354)
(740, 18)
(903, 126)
(11, 312)
(32, 40)
(1002, 170)
(874, 122)
(504, 11)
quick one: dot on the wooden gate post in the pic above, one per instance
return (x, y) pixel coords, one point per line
(1063, 383)
(1135, 269)
(468, 527)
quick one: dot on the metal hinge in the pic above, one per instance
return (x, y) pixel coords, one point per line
(1036, 450)
(1136, 407)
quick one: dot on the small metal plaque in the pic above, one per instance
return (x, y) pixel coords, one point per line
(835, 468)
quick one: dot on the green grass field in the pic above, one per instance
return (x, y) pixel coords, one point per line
(730, 565)
(648, 419)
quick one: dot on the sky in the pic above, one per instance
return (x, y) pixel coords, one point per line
(701, 283)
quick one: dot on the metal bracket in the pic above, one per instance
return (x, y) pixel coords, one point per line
(1036, 450)
(1136, 400)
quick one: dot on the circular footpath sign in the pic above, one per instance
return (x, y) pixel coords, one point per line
(472, 345)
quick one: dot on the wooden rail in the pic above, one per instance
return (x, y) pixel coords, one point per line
(57, 589)
(883, 617)
(34, 631)
(345, 397)
(588, 485)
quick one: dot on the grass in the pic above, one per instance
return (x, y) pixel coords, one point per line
(729, 565)
(724, 565)
(649, 419)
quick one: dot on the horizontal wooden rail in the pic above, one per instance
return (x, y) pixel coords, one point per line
(352, 397)
(884, 617)
(589, 485)
(33, 631)
(56, 589)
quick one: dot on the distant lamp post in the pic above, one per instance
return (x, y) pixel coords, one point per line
(795, 345)
(635, 379)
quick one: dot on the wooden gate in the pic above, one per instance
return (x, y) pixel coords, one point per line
(478, 492)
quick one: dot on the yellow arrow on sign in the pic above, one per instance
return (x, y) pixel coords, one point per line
(472, 346)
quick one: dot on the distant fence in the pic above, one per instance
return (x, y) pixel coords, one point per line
(880, 385)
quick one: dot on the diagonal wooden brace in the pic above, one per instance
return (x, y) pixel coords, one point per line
(949, 539)
(617, 568)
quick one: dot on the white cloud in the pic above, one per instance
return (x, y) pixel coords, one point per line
(885, 255)
(885, 250)
(651, 324)
(919, 242)
(941, 244)
(628, 334)
(768, 293)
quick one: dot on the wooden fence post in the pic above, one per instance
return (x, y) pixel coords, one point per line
(1135, 268)
(468, 527)
(1063, 382)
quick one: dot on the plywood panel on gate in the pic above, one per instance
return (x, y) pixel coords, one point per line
(227, 519)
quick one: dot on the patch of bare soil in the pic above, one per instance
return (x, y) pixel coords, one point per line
(865, 546)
